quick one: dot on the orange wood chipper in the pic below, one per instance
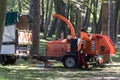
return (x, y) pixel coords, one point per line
(73, 52)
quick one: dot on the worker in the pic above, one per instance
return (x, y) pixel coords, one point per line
(85, 38)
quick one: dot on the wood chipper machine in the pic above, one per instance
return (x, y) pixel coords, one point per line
(82, 51)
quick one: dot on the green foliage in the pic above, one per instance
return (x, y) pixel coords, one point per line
(42, 47)
(69, 1)
(12, 5)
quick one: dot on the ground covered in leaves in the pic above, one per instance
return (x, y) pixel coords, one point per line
(28, 71)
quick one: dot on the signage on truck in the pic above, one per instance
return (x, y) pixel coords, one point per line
(24, 37)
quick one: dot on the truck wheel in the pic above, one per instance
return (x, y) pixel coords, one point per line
(69, 62)
(10, 60)
(3, 60)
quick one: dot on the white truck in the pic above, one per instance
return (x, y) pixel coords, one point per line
(15, 44)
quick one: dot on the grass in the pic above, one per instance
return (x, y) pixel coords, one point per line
(116, 58)
(26, 72)
(42, 47)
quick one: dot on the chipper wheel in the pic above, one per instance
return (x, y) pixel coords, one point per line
(69, 62)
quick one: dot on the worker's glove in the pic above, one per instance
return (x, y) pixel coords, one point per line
(84, 42)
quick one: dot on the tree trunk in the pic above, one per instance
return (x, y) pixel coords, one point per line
(111, 26)
(117, 9)
(118, 28)
(82, 16)
(42, 16)
(3, 4)
(67, 8)
(19, 6)
(87, 16)
(60, 9)
(105, 13)
(105, 18)
(100, 22)
(95, 26)
(48, 17)
(53, 27)
(35, 12)
(78, 23)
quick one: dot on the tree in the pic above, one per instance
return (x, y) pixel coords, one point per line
(12, 5)
(107, 24)
(116, 18)
(111, 27)
(60, 8)
(48, 16)
(21, 6)
(42, 16)
(35, 12)
(78, 20)
(105, 13)
(88, 12)
(2, 18)
(95, 27)
(118, 27)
